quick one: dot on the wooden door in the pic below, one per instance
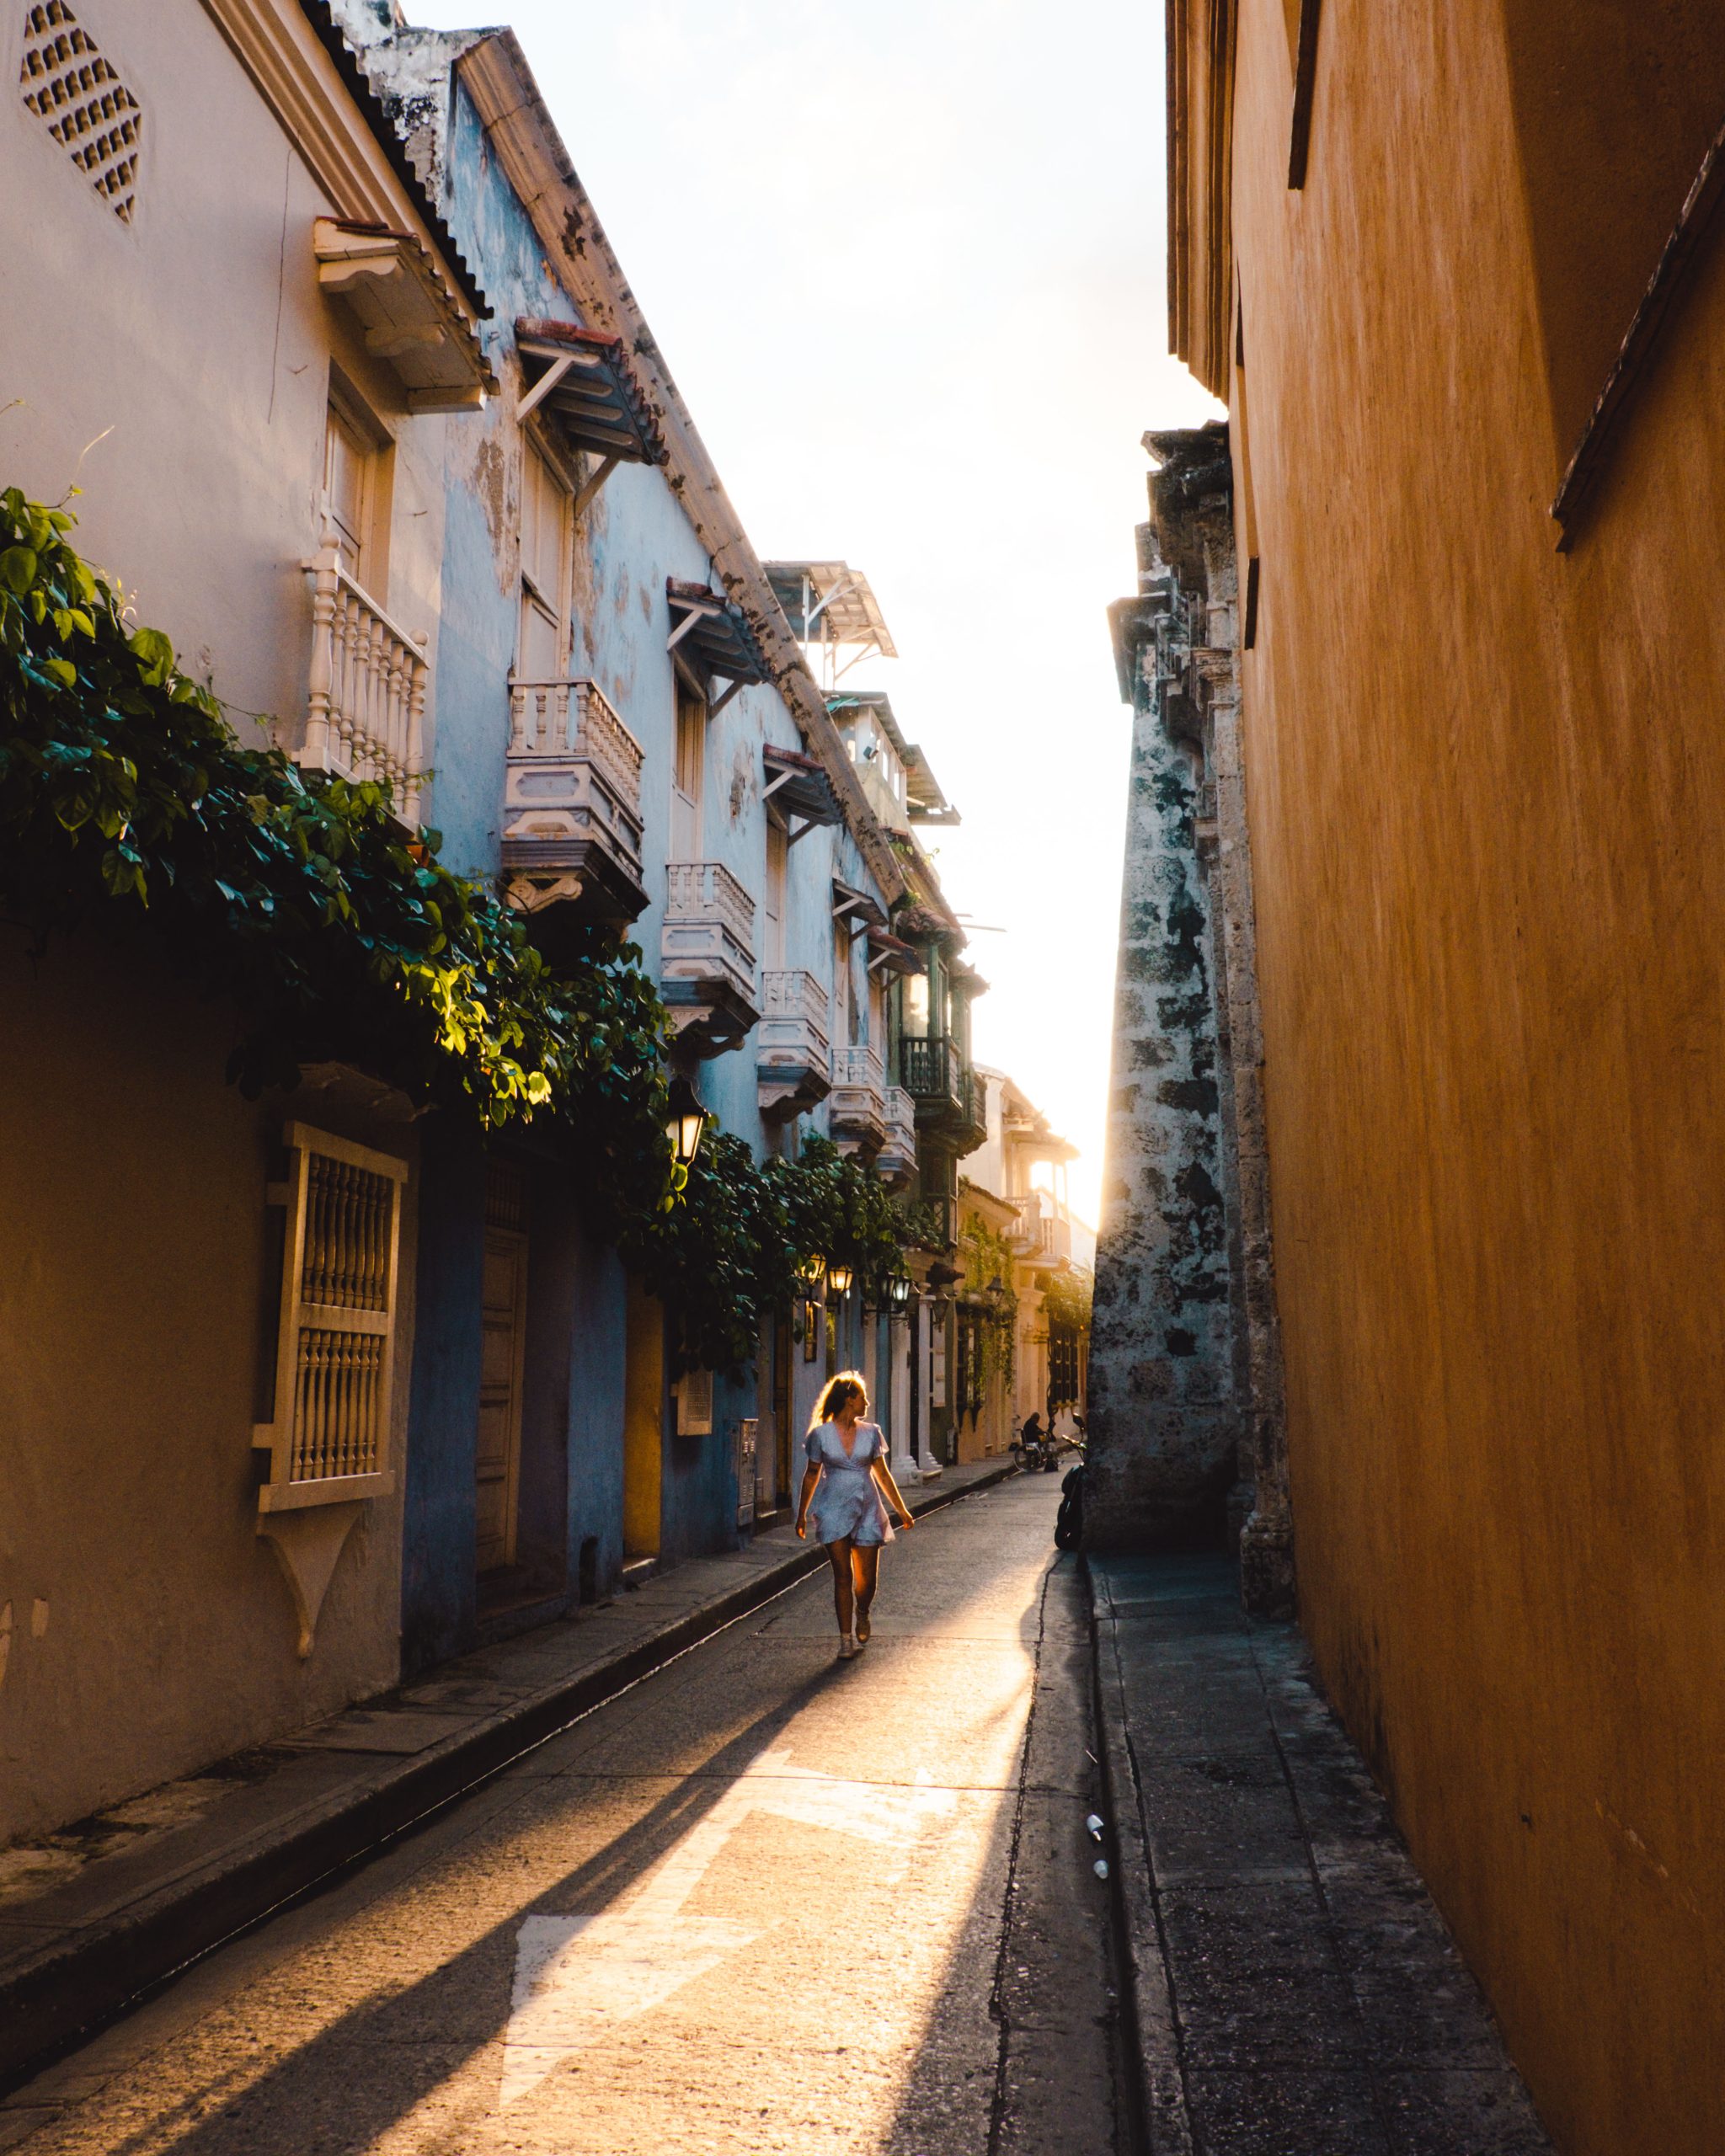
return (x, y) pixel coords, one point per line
(497, 1460)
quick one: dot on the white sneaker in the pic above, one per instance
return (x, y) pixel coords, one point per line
(847, 1647)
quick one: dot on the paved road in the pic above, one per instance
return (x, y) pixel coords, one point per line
(765, 1901)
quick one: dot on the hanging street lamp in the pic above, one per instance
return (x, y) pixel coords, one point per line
(686, 1121)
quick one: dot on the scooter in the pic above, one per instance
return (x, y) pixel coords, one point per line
(1036, 1455)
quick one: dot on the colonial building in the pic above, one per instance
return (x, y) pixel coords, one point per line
(197, 1583)
(1459, 277)
(336, 1382)
(1023, 1300)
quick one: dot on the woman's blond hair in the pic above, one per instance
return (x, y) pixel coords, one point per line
(835, 1394)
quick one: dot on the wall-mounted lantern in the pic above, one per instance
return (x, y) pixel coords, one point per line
(686, 1121)
(838, 1279)
(899, 1291)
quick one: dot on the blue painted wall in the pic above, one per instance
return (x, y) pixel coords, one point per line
(437, 1591)
(632, 537)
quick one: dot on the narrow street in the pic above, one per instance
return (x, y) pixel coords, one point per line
(762, 1901)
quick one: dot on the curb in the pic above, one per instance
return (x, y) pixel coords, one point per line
(81, 1979)
(1152, 2043)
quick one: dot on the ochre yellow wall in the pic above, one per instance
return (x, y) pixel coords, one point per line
(134, 1300)
(1487, 793)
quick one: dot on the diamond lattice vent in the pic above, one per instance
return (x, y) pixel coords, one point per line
(83, 103)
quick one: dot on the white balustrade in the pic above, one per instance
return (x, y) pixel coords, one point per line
(573, 785)
(708, 890)
(574, 719)
(365, 712)
(706, 949)
(896, 1162)
(793, 1062)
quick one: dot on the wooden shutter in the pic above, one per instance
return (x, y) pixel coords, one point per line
(330, 1440)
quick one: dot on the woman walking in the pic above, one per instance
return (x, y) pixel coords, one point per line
(851, 1488)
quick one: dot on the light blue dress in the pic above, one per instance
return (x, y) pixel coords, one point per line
(846, 1499)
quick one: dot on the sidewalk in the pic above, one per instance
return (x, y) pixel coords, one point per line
(91, 1917)
(1296, 1991)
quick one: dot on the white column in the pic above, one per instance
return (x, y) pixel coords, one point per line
(898, 1428)
(927, 1462)
(867, 1362)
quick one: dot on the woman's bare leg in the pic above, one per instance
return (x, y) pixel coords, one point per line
(865, 1578)
(844, 1601)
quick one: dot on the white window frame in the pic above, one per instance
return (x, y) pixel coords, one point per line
(347, 1326)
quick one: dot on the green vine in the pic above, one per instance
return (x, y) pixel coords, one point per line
(1066, 1300)
(734, 1249)
(126, 796)
(987, 1255)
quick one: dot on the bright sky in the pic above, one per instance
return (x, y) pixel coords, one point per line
(905, 261)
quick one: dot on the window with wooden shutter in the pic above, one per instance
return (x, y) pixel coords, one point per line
(329, 1439)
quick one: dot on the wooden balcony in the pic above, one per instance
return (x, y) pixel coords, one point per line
(793, 1062)
(365, 711)
(707, 956)
(856, 1107)
(948, 1096)
(572, 805)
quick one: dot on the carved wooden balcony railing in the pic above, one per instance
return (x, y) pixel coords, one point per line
(793, 1063)
(706, 955)
(856, 1107)
(365, 712)
(950, 1099)
(895, 1163)
(571, 828)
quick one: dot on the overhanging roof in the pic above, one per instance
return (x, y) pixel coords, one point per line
(857, 909)
(800, 787)
(713, 630)
(407, 311)
(351, 69)
(829, 602)
(890, 955)
(583, 381)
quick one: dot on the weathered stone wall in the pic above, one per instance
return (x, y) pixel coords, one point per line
(1186, 1387)
(1164, 1417)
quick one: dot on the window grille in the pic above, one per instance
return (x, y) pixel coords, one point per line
(330, 1437)
(694, 1391)
(76, 96)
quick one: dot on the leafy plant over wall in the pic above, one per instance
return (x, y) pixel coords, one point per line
(1066, 1300)
(732, 1250)
(988, 1255)
(127, 797)
(123, 789)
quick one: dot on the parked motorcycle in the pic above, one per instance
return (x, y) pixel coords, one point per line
(1069, 1521)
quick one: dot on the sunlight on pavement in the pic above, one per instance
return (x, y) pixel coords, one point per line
(577, 1977)
(754, 1905)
